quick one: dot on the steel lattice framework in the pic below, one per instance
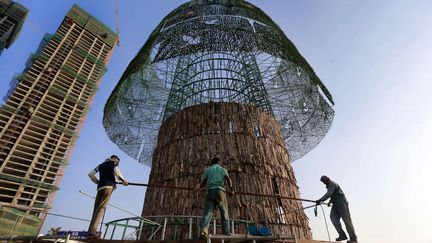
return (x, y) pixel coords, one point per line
(217, 51)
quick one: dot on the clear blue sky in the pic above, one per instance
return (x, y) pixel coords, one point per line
(374, 57)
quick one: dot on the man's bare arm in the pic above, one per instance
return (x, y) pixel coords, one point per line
(229, 182)
(92, 175)
(199, 187)
(203, 183)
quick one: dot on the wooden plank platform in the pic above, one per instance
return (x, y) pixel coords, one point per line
(197, 241)
(230, 239)
(314, 241)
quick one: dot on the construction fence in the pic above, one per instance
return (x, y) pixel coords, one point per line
(17, 222)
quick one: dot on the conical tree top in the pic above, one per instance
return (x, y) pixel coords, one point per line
(217, 51)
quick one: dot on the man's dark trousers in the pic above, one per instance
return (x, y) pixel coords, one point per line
(216, 198)
(340, 210)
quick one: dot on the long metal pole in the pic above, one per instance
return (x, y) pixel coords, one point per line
(196, 216)
(39, 210)
(325, 220)
(114, 206)
(239, 193)
(164, 228)
(140, 229)
(103, 217)
(190, 228)
(300, 209)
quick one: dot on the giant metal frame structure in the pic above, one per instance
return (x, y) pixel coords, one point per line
(202, 53)
(219, 77)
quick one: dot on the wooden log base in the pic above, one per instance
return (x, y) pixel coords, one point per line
(251, 147)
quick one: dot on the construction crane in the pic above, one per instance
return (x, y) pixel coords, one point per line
(33, 27)
(117, 24)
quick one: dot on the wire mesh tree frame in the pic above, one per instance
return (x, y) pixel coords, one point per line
(217, 51)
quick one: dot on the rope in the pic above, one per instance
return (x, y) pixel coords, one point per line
(300, 209)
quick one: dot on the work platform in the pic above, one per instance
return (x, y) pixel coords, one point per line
(203, 241)
(212, 238)
(174, 241)
(200, 241)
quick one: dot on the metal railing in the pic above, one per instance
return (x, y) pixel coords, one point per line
(252, 238)
(172, 223)
(161, 227)
(157, 227)
(18, 221)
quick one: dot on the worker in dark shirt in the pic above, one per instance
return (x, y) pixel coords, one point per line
(339, 209)
(106, 184)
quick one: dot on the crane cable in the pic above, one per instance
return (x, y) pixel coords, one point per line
(33, 27)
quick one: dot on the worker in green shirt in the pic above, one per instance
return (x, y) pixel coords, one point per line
(214, 180)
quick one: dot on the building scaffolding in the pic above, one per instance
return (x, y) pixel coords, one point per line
(42, 116)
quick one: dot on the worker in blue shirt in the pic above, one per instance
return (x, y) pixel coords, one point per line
(339, 209)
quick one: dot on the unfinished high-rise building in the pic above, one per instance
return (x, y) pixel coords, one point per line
(220, 78)
(12, 17)
(42, 116)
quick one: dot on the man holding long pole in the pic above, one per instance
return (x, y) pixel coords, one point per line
(214, 180)
(339, 209)
(108, 172)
